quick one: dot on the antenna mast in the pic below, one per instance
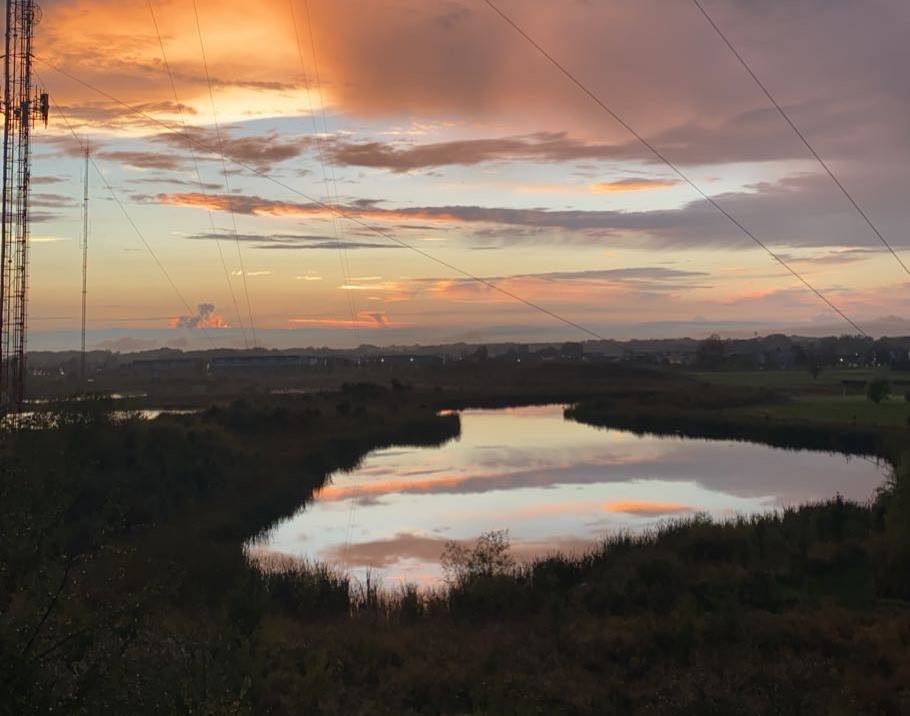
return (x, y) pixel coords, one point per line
(84, 257)
(23, 105)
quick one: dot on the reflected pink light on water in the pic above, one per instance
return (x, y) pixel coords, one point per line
(555, 485)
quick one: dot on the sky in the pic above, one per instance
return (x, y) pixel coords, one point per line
(293, 173)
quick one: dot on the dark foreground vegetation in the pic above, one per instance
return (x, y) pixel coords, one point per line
(124, 588)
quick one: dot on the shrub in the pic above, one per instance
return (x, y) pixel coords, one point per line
(710, 352)
(487, 558)
(878, 390)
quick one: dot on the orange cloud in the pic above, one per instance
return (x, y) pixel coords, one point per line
(637, 508)
(205, 317)
(647, 509)
(258, 206)
(470, 63)
(624, 186)
(337, 493)
(114, 45)
(365, 319)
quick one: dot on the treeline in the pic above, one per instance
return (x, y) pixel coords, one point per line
(781, 352)
(860, 440)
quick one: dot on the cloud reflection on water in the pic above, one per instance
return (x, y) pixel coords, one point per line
(554, 484)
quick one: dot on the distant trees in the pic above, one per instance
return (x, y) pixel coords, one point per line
(888, 352)
(710, 352)
(814, 362)
(481, 355)
(878, 389)
(572, 351)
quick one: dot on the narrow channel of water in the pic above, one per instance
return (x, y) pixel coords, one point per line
(556, 485)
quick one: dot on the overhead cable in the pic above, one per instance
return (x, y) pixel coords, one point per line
(660, 155)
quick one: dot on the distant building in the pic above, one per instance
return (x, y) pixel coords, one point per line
(406, 360)
(158, 367)
(572, 351)
(547, 354)
(271, 362)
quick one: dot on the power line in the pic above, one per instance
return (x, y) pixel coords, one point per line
(132, 223)
(796, 130)
(148, 246)
(346, 260)
(322, 112)
(336, 210)
(656, 152)
(202, 189)
(320, 153)
(227, 181)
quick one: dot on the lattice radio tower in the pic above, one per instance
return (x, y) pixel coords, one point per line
(86, 152)
(23, 106)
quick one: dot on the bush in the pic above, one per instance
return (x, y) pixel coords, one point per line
(878, 390)
(710, 353)
(489, 557)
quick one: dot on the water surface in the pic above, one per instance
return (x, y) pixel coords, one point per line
(556, 485)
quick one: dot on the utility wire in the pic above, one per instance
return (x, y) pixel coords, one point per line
(227, 181)
(132, 223)
(656, 152)
(796, 130)
(325, 133)
(322, 112)
(320, 153)
(336, 210)
(170, 74)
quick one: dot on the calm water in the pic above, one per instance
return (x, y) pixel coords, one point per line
(554, 484)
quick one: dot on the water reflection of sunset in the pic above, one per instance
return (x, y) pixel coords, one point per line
(556, 485)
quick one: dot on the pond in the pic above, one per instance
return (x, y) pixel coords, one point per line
(554, 484)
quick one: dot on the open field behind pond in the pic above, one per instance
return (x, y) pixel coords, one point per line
(827, 381)
(835, 396)
(892, 412)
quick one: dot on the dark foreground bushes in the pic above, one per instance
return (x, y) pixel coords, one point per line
(801, 612)
(805, 611)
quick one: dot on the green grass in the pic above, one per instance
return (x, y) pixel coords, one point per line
(894, 412)
(798, 380)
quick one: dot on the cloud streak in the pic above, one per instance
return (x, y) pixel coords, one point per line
(292, 242)
(540, 147)
(364, 319)
(798, 210)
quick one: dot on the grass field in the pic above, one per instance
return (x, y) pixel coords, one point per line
(800, 380)
(822, 399)
(852, 409)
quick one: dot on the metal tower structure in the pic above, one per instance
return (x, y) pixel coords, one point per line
(84, 259)
(23, 106)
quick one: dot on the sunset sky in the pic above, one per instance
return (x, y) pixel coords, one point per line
(434, 122)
